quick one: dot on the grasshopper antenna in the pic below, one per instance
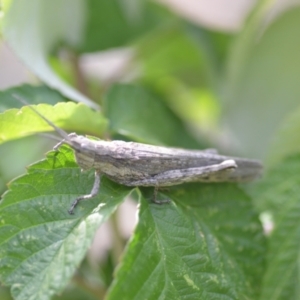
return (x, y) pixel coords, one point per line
(57, 129)
(50, 136)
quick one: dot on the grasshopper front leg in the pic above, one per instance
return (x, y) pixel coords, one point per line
(93, 193)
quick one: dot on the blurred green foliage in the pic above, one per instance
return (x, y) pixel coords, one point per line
(181, 85)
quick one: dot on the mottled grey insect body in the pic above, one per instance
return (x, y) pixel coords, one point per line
(137, 164)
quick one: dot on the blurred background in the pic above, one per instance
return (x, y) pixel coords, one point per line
(229, 69)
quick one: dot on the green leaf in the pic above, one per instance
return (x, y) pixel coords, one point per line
(32, 94)
(135, 113)
(115, 23)
(19, 153)
(34, 34)
(4, 293)
(41, 245)
(70, 116)
(207, 244)
(170, 52)
(183, 51)
(285, 142)
(280, 195)
(262, 85)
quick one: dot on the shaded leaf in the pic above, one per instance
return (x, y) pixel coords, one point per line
(170, 52)
(207, 244)
(280, 195)
(135, 113)
(191, 54)
(115, 23)
(32, 94)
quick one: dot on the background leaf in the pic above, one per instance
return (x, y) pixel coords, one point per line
(41, 244)
(115, 23)
(139, 115)
(285, 142)
(262, 82)
(191, 54)
(279, 193)
(32, 95)
(47, 24)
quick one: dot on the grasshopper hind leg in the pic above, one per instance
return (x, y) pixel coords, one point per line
(212, 173)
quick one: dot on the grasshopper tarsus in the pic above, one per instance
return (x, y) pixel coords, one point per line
(160, 202)
(71, 210)
(74, 204)
(155, 200)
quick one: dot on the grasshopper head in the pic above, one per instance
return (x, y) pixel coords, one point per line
(84, 150)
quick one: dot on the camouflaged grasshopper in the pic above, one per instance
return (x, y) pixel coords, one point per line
(137, 164)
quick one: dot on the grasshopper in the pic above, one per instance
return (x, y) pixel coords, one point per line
(137, 164)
